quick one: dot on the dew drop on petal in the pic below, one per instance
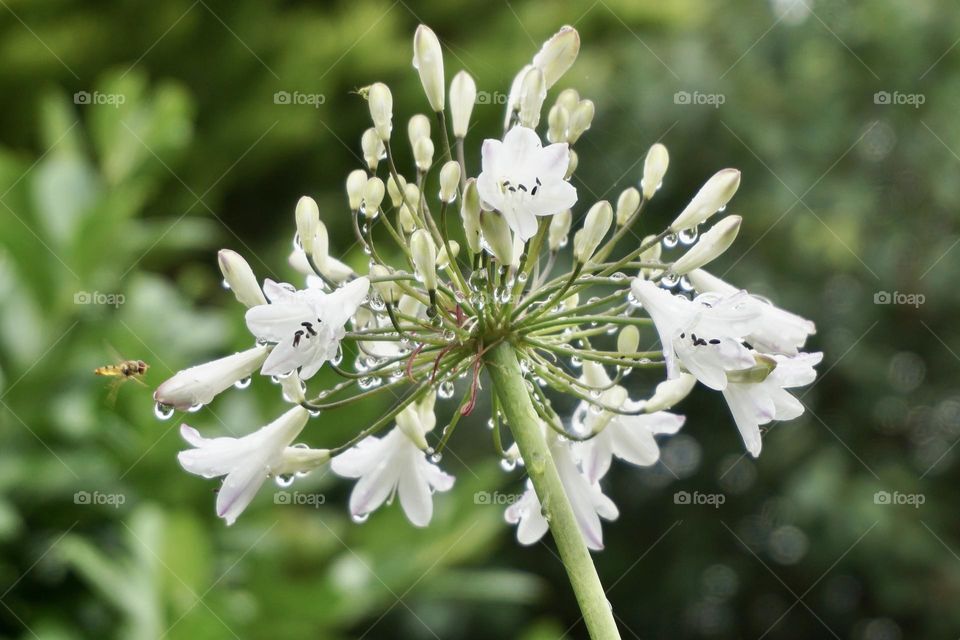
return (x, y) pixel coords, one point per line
(508, 464)
(163, 411)
(243, 383)
(670, 241)
(360, 518)
(284, 480)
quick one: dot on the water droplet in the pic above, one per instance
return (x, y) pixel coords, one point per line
(297, 245)
(360, 518)
(163, 411)
(669, 280)
(670, 241)
(195, 408)
(576, 362)
(508, 464)
(225, 284)
(435, 458)
(445, 390)
(243, 383)
(522, 277)
(284, 480)
(688, 236)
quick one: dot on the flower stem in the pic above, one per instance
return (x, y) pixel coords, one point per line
(516, 405)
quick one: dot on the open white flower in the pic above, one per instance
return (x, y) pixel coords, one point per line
(586, 497)
(523, 179)
(201, 384)
(248, 461)
(396, 465)
(306, 325)
(778, 330)
(704, 335)
(756, 403)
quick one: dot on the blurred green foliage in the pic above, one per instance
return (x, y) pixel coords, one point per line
(843, 197)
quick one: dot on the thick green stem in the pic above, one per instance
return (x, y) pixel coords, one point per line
(524, 423)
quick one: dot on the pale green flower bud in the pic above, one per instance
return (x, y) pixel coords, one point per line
(595, 227)
(758, 373)
(572, 164)
(496, 232)
(423, 154)
(356, 182)
(463, 95)
(410, 306)
(408, 219)
(298, 459)
(428, 61)
(654, 168)
(559, 229)
(394, 191)
(449, 181)
(513, 98)
(580, 120)
(424, 253)
(470, 215)
(373, 193)
(388, 290)
(443, 259)
(558, 54)
(670, 392)
(627, 204)
(710, 245)
(594, 375)
(557, 121)
(240, 278)
(418, 127)
(628, 340)
(571, 302)
(308, 217)
(568, 99)
(650, 255)
(380, 101)
(533, 92)
(372, 147)
(712, 197)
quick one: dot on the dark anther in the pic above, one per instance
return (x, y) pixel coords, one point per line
(714, 341)
(296, 338)
(522, 188)
(309, 327)
(538, 181)
(533, 191)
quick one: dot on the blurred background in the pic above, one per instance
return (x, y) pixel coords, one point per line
(137, 138)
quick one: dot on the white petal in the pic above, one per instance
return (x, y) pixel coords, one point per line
(239, 489)
(553, 161)
(552, 198)
(415, 498)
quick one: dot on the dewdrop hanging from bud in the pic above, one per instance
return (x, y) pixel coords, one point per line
(496, 231)
(654, 168)
(418, 127)
(712, 197)
(559, 230)
(470, 216)
(372, 147)
(557, 121)
(388, 290)
(373, 193)
(449, 181)
(428, 61)
(380, 101)
(239, 277)
(533, 91)
(557, 55)
(308, 218)
(595, 227)
(356, 182)
(424, 253)
(710, 245)
(463, 95)
(627, 205)
(580, 120)
(628, 340)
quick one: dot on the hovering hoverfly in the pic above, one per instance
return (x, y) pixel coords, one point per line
(121, 372)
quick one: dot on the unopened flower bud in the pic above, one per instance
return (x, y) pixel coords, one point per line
(388, 290)
(423, 154)
(710, 245)
(513, 98)
(670, 392)
(356, 181)
(571, 163)
(428, 61)
(557, 121)
(470, 215)
(568, 99)
(627, 204)
(496, 232)
(443, 259)
(558, 54)
(380, 101)
(712, 197)
(308, 217)
(463, 95)
(580, 120)
(559, 229)
(652, 254)
(594, 375)
(299, 459)
(628, 340)
(410, 306)
(418, 127)
(757, 373)
(595, 227)
(240, 278)
(424, 253)
(200, 384)
(654, 168)
(533, 92)
(449, 181)
(373, 193)
(372, 147)
(411, 198)
(396, 191)
(571, 302)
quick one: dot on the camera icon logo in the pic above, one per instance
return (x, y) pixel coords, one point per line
(681, 497)
(482, 497)
(281, 497)
(81, 97)
(281, 97)
(882, 297)
(881, 497)
(81, 497)
(681, 97)
(82, 297)
(882, 97)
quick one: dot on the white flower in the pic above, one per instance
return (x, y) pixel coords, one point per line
(778, 331)
(522, 179)
(201, 384)
(248, 461)
(755, 403)
(306, 325)
(586, 497)
(704, 335)
(395, 465)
